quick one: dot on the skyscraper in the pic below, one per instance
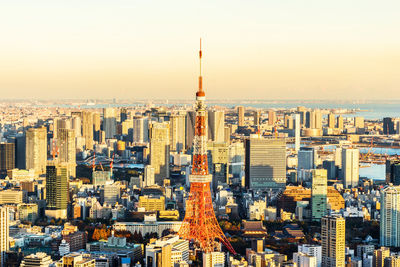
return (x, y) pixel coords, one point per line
(390, 217)
(216, 125)
(96, 127)
(56, 190)
(159, 150)
(296, 118)
(218, 163)
(306, 158)
(319, 190)
(140, 130)
(177, 132)
(333, 230)
(7, 157)
(36, 149)
(340, 124)
(190, 123)
(87, 128)
(350, 167)
(271, 117)
(66, 144)
(388, 126)
(110, 122)
(256, 117)
(331, 120)
(265, 163)
(240, 115)
(4, 233)
(359, 122)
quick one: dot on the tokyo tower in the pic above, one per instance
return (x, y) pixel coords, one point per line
(200, 224)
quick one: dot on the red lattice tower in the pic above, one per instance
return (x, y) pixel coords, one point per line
(200, 224)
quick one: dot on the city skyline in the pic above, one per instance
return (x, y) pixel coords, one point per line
(257, 50)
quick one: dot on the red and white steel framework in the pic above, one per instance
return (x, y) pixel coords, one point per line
(200, 224)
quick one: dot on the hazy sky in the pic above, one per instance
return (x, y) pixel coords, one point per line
(266, 49)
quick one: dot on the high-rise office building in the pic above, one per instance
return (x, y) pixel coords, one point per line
(110, 122)
(148, 176)
(36, 149)
(123, 114)
(359, 122)
(340, 123)
(140, 130)
(241, 118)
(302, 111)
(20, 152)
(350, 167)
(379, 256)
(218, 159)
(256, 117)
(330, 167)
(393, 172)
(271, 117)
(306, 158)
(333, 230)
(331, 120)
(96, 127)
(190, 123)
(390, 217)
(67, 149)
(297, 120)
(110, 194)
(87, 128)
(4, 233)
(159, 150)
(7, 157)
(76, 125)
(388, 126)
(60, 123)
(319, 191)
(177, 132)
(314, 119)
(56, 190)
(216, 125)
(265, 163)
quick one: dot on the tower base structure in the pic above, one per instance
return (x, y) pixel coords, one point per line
(200, 224)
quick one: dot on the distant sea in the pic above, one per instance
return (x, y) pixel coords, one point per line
(368, 110)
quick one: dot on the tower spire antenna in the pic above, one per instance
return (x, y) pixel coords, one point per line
(200, 92)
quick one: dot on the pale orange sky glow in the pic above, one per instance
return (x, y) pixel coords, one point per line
(148, 49)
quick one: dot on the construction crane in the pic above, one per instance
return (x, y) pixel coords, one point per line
(111, 165)
(94, 161)
(369, 152)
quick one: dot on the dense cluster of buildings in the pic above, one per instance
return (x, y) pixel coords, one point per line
(108, 187)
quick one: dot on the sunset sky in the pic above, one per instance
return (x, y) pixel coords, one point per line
(144, 49)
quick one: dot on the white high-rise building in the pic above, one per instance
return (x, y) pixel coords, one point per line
(304, 260)
(177, 132)
(296, 118)
(312, 250)
(214, 259)
(140, 130)
(148, 176)
(350, 167)
(4, 233)
(390, 217)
